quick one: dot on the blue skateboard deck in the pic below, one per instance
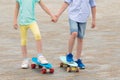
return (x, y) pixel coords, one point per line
(35, 60)
(45, 68)
(63, 59)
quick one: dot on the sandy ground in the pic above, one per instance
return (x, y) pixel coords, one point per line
(101, 45)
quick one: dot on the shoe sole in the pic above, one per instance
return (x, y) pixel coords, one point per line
(82, 68)
(24, 67)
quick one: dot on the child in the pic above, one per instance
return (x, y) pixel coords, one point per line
(27, 20)
(78, 13)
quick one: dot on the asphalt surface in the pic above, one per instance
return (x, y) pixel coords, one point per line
(100, 51)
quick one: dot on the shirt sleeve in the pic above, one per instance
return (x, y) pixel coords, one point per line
(92, 3)
(17, 0)
(36, 1)
(68, 1)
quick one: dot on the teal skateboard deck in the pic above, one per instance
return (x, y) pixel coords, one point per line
(44, 67)
(69, 66)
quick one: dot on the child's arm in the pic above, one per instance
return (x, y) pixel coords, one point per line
(93, 10)
(62, 9)
(16, 15)
(46, 9)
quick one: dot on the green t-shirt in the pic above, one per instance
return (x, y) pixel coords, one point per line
(27, 11)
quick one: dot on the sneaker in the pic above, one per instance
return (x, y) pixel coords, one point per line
(80, 64)
(69, 58)
(25, 64)
(42, 60)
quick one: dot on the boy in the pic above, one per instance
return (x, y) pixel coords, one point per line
(27, 20)
(78, 13)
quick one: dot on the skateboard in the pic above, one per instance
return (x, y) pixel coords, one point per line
(70, 67)
(45, 68)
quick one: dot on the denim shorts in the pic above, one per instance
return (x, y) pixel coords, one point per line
(77, 27)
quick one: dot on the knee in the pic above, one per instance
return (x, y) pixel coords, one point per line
(37, 36)
(74, 34)
(23, 42)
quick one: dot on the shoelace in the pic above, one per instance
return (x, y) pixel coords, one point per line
(42, 59)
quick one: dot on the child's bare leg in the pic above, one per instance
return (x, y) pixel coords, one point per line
(24, 51)
(39, 46)
(25, 63)
(41, 58)
(69, 56)
(72, 41)
(78, 53)
(79, 48)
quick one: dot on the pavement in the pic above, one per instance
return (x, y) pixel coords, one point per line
(100, 51)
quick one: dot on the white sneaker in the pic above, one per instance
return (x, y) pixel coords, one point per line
(42, 60)
(25, 64)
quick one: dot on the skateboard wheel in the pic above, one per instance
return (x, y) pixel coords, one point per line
(43, 71)
(68, 69)
(51, 70)
(77, 70)
(33, 66)
(61, 64)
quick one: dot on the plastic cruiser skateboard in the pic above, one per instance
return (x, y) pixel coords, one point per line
(70, 67)
(44, 68)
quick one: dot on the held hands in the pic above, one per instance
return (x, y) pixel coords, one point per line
(54, 18)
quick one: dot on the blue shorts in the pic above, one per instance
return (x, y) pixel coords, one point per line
(77, 27)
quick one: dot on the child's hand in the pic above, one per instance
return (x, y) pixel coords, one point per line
(93, 24)
(15, 26)
(54, 19)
